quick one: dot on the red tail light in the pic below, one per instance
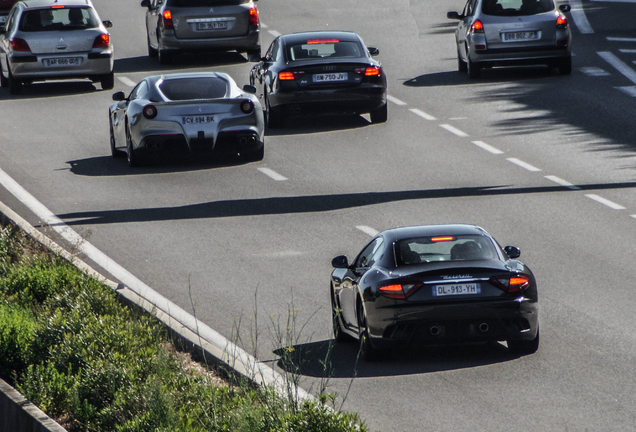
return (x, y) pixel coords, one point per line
(102, 41)
(370, 71)
(247, 106)
(562, 22)
(511, 283)
(399, 291)
(289, 76)
(477, 27)
(254, 16)
(150, 112)
(18, 44)
(443, 238)
(322, 41)
(167, 20)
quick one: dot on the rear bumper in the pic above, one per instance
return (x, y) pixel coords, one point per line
(32, 67)
(515, 56)
(250, 42)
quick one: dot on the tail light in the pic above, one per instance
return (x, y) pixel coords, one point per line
(102, 41)
(511, 284)
(370, 71)
(289, 76)
(247, 106)
(18, 44)
(477, 27)
(254, 16)
(562, 22)
(167, 20)
(399, 291)
(150, 112)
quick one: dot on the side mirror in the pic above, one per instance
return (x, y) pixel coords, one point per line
(254, 57)
(454, 15)
(565, 8)
(145, 3)
(107, 23)
(340, 261)
(512, 251)
(249, 89)
(373, 51)
(119, 96)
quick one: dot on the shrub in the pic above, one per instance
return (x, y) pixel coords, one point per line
(17, 335)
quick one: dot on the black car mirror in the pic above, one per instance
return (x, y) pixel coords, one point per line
(565, 8)
(249, 89)
(453, 15)
(119, 96)
(340, 261)
(145, 3)
(254, 58)
(373, 51)
(107, 23)
(512, 252)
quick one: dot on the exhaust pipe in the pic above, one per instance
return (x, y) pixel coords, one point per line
(435, 330)
(483, 327)
(242, 140)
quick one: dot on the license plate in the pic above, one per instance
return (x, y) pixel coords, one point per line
(68, 61)
(214, 25)
(456, 289)
(197, 119)
(516, 36)
(330, 77)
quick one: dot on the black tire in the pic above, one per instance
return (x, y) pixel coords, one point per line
(15, 85)
(152, 52)
(163, 57)
(380, 115)
(565, 67)
(113, 149)
(108, 81)
(473, 69)
(131, 157)
(338, 335)
(4, 82)
(524, 347)
(255, 156)
(461, 64)
(274, 119)
(367, 351)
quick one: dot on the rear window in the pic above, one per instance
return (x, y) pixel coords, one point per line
(444, 248)
(194, 88)
(516, 7)
(58, 19)
(320, 48)
(204, 3)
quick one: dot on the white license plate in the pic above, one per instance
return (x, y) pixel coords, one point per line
(214, 25)
(456, 289)
(67, 61)
(330, 77)
(517, 36)
(197, 119)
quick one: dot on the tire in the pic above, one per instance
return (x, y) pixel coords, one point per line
(367, 351)
(461, 64)
(565, 67)
(380, 115)
(152, 52)
(473, 69)
(163, 57)
(4, 82)
(255, 156)
(524, 347)
(131, 157)
(338, 335)
(113, 149)
(15, 85)
(274, 119)
(108, 81)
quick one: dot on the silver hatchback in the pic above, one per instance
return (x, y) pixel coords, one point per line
(55, 39)
(512, 32)
(174, 26)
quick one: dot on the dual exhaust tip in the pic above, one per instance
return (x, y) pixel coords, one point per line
(244, 140)
(437, 330)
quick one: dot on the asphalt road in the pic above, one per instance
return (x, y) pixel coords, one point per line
(543, 162)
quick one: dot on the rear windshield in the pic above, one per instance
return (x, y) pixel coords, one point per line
(516, 7)
(444, 248)
(194, 88)
(321, 48)
(204, 3)
(58, 19)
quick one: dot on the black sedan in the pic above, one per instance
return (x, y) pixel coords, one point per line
(320, 73)
(432, 285)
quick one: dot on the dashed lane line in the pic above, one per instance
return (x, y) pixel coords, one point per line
(562, 182)
(273, 33)
(367, 230)
(395, 100)
(454, 130)
(608, 203)
(422, 114)
(127, 81)
(272, 174)
(487, 147)
(523, 164)
(624, 69)
(578, 15)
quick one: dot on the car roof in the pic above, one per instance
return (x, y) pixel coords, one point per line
(294, 38)
(432, 230)
(46, 3)
(185, 75)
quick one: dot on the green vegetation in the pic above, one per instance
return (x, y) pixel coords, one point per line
(68, 345)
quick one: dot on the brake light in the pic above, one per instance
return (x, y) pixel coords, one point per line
(511, 284)
(321, 41)
(247, 106)
(102, 41)
(150, 112)
(167, 20)
(562, 22)
(57, 7)
(18, 44)
(443, 238)
(477, 27)
(399, 291)
(254, 16)
(369, 71)
(289, 76)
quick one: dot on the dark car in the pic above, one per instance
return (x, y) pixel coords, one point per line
(434, 284)
(176, 26)
(320, 73)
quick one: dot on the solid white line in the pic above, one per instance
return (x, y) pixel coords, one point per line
(627, 72)
(273, 33)
(562, 182)
(578, 15)
(395, 100)
(610, 204)
(272, 174)
(422, 114)
(487, 147)
(367, 230)
(127, 81)
(454, 130)
(620, 39)
(522, 164)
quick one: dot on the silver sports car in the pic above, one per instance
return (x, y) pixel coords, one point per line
(512, 32)
(187, 113)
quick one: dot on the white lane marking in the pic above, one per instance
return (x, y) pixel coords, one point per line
(395, 100)
(594, 71)
(367, 230)
(634, 216)
(578, 15)
(628, 51)
(610, 204)
(487, 147)
(263, 25)
(523, 164)
(422, 114)
(624, 69)
(562, 182)
(273, 33)
(614, 1)
(272, 174)
(454, 130)
(630, 90)
(127, 81)
(620, 39)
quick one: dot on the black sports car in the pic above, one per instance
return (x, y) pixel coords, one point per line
(320, 73)
(434, 284)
